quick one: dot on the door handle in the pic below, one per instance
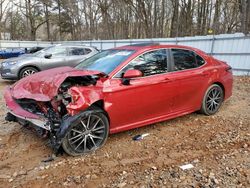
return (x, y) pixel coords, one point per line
(166, 80)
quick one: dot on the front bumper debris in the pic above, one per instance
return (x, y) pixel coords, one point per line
(17, 111)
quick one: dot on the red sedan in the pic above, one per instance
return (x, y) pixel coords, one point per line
(117, 90)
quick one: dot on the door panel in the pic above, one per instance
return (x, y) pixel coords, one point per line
(146, 97)
(74, 56)
(53, 62)
(192, 84)
(143, 99)
(191, 78)
(72, 61)
(57, 59)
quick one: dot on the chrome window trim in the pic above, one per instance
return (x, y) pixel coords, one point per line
(171, 61)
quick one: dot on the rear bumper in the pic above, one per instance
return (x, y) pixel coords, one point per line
(16, 110)
(228, 85)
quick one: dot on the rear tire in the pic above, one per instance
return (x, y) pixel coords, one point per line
(27, 71)
(212, 100)
(89, 134)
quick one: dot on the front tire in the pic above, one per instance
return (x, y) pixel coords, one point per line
(89, 134)
(27, 71)
(212, 100)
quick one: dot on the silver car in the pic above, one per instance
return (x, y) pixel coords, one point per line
(51, 57)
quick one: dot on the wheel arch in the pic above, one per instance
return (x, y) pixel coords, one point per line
(100, 104)
(204, 109)
(26, 66)
(222, 86)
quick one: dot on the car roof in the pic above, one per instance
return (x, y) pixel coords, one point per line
(151, 46)
(73, 45)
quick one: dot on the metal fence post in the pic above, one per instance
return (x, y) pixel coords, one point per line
(176, 40)
(212, 46)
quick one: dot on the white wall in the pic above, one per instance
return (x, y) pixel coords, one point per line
(232, 48)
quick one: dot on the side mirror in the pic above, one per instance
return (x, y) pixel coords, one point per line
(132, 73)
(47, 56)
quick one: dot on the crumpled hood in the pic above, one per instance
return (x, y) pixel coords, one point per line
(43, 86)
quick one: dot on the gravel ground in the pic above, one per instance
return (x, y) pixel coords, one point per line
(217, 146)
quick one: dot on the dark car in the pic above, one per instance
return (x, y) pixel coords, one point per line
(33, 49)
(117, 90)
(51, 57)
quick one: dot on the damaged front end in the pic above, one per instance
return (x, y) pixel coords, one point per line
(50, 106)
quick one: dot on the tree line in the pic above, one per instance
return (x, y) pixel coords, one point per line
(121, 19)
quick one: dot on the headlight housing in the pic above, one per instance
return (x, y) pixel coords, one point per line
(8, 63)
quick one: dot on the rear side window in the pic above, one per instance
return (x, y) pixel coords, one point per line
(79, 51)
(76, 51)
(150, 63)
(186, 59)
(87, 51)
(200, 61)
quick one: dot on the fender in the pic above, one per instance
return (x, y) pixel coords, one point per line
(67, 122)
(82, 98)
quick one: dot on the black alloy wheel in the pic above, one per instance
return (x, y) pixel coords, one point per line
(212, 100)
(88, 134)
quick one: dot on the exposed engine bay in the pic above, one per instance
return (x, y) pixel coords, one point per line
(60, 111)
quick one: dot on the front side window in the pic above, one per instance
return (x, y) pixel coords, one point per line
(105, 61)
(150, 63)
(186, 59)
(55, 51)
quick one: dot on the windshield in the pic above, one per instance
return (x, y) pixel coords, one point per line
(105, 61)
